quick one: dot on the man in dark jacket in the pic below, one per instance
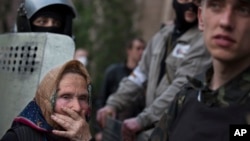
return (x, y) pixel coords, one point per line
(116, 72)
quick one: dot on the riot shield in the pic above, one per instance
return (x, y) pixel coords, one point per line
(24, 59)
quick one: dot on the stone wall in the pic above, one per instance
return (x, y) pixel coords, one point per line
(151, 14)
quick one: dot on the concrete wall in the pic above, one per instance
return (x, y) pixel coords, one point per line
(8, 20)
(151, 14)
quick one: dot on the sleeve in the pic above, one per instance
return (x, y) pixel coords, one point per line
(9, 136)
(134, 84)
(106, 87)
(197, 60)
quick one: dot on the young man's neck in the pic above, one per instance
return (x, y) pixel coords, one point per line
(224, 72)
(131, 63)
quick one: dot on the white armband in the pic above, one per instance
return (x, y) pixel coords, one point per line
(180, 50)
(137, 76)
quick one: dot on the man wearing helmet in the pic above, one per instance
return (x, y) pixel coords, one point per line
(54, 16)
(46, 16)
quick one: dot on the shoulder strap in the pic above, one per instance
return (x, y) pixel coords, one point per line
(161, 131)
(25, 133)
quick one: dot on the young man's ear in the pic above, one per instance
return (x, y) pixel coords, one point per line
(200, 18)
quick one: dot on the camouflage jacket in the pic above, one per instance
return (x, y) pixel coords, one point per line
(211, 110)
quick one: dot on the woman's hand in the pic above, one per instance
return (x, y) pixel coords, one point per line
(76, 127)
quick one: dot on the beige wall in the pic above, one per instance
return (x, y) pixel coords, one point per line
(151, 14)
(8, 14)
(168, 12)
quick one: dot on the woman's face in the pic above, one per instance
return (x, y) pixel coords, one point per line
(72, 93)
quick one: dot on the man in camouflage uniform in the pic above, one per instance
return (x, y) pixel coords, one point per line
(175, 52)
(212, 101)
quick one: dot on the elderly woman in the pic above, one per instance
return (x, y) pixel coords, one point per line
(59, 109)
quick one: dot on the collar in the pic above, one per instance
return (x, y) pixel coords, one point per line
(189, 35)
(234, 91)
(32, 117)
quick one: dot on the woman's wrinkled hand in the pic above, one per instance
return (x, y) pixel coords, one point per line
(75, 125)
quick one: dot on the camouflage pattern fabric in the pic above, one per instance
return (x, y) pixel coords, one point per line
(236, 91)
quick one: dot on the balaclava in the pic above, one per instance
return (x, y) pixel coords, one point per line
(181, 25)
(48, 12)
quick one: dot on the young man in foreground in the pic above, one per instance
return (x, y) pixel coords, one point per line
(211, 102)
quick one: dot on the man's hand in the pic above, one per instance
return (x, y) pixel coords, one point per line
(129, 128)
(76, 127)
(103, 113)
(98, 136)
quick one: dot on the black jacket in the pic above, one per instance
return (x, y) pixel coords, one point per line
(22, 132)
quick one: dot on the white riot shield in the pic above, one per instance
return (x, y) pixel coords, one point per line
(24, 60)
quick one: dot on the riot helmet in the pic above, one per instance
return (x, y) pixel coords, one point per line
(61, 11)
